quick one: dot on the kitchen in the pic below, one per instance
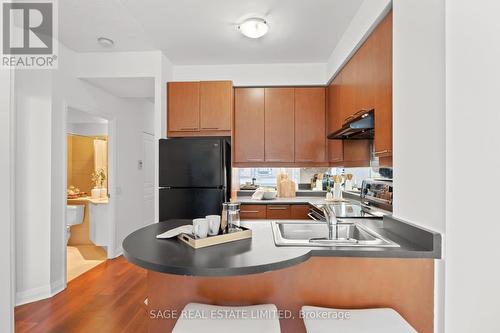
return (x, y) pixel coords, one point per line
(279, 232)
(273, 166)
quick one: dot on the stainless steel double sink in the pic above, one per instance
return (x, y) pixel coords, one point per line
(315, 234)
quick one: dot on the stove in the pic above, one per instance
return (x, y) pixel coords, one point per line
(375, 202)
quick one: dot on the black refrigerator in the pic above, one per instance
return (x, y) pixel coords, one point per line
(195, 177)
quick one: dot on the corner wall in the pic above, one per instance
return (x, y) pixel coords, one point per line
(6, 202)
(473, 154)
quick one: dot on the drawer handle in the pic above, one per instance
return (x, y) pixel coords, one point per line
(210, 128)
(305, 160)
(274, 160)
(385, 151)
(189, 129)
(278, 208)
(249, 211)
(255, 159)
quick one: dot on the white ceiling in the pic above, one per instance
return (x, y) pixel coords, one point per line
(202, 32)
(134, 87)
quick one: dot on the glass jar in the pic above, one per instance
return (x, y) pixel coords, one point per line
(223, 218)
(233, 216)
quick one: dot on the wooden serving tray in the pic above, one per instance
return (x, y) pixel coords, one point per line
(215, 240)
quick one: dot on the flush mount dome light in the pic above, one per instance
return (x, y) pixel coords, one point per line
(105, 42)
(254, 27)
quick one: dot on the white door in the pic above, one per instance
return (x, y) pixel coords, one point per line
(148, 172)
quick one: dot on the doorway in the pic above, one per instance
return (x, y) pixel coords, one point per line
(88, 217)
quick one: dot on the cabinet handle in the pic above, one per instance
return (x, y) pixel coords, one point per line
(210, 128)
(336, 159)
(274, 160)
(255, 159)
(360, 112)
(305, 160)
(385, 151)
(189, 129)
(249, 211)
(277, 207)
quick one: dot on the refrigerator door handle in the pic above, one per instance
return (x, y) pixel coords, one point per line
(164, 188)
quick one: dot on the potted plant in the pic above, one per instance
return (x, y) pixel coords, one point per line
(98, 178)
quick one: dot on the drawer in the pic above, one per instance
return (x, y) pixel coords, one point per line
(252, 212)
(299, 212)
(279, 212)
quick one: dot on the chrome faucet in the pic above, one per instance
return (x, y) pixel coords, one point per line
(331, 220)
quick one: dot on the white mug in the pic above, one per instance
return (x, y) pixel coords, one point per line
(213, 224)
(200, 228)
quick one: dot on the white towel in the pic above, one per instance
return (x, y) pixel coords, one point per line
(183, 229)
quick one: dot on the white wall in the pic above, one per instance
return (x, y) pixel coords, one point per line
(419, 122)
(369, 14)
(472, 151)
(6, 203)
(42, 100)
(255, 75)
(33, 183)
(87, 129)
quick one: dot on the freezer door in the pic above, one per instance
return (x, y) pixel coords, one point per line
(190, 203)
(191, 162)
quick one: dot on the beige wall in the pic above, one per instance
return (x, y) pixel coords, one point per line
(80, 168)
(81, 162)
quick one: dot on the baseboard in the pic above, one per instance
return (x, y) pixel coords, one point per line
(39, 293)
(116, 253)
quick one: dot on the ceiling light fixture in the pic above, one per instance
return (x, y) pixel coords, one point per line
(105, 42)
(254, 27)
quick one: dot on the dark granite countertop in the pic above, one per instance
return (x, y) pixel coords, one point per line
(259, 254)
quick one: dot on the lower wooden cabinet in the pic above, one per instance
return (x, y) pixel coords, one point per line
(274, 212)
(279, 212)
(253, 212)
(299, 212)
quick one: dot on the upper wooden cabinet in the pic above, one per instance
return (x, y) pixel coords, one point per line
(310, 143)
(199, 108)
(279, 125)
(216, 103)
(248, 134)
(183, 106)
(365, 83)
(334, 120)
(382, 38)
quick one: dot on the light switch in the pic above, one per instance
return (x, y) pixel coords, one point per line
(139, 164)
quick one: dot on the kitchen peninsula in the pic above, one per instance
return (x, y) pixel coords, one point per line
(256, 271)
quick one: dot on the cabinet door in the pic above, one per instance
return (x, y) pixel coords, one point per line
(364, 94)
(279, 124)
(216, 103)
(310, 139)
(382, 54)
(253, 212)
(334, 118)
(278, 212)
(348, 85)
(183, 106)
(248, 136)
(299, 212)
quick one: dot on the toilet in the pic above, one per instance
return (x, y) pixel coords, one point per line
(74, 216)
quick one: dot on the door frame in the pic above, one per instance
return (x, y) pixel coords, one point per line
(112, 131)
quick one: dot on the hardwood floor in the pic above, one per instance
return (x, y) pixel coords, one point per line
(108, 298)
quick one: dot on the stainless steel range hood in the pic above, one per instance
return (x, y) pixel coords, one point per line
(360, 127)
